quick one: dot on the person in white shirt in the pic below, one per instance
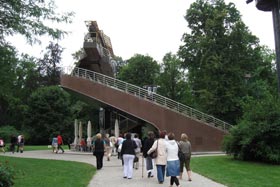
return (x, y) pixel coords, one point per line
(173, 162)
(18, 143)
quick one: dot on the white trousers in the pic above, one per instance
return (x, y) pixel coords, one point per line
(128, 165)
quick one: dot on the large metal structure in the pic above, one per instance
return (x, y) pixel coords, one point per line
(98, 51)
(274, 6)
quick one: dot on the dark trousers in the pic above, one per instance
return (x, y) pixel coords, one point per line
(149, 163)
(60, 147)
(99, 159)
(18, 147)
(174, 179)
(12, 148)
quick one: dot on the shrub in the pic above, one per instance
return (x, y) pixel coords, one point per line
(256, 137)
(6, 175)
(6, 132)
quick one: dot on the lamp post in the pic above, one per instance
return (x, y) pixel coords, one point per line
(274, 6)
(101, 119)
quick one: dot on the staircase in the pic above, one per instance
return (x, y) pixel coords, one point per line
(149, 96)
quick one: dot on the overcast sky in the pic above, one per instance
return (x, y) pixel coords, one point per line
(148, 27)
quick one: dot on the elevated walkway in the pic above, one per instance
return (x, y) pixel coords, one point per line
(205, 132)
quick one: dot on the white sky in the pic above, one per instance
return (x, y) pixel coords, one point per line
(148, 27)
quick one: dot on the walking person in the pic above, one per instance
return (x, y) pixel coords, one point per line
(148, 143)
(160, 160)
(14, 142)
(98, 150)
(2, 144)
(113, 141)
(21, 144)
(54, 145)
(137, 150)
(108, 147)
(128, 154)
(185, 146)
(59, 143)
(119, 142)
(173, 162)
(18, 142)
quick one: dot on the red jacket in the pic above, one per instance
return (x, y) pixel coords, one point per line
(59, 140)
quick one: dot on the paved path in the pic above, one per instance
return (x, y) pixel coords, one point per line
(111, 173)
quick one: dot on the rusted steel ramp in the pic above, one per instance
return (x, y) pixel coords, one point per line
(205, 132)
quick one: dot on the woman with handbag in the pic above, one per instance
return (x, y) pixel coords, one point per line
(160, 160)
(185, 146)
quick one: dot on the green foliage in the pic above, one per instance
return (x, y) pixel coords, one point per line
(140, 70)
(49, 114)
(8, 62)
(172, 81)
(6, 132)
(256, 137)
(27, 77)
(26, 17)
(6, 175)
(48, 66)
(218, 55)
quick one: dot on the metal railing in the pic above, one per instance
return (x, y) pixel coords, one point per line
(150, 96)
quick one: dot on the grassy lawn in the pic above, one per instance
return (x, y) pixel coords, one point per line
(233, 173)
(40, 147)
(36, 147)
(46, 173)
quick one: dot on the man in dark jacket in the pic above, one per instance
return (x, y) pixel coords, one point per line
(148, 143)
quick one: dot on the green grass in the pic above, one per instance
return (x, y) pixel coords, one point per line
(234, 173)
(40, 147)
(46, 173)
(36, 147)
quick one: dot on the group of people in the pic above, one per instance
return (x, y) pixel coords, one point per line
(167, 161)
(57, 143)
(16, 141)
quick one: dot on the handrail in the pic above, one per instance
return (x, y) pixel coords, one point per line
(150, 96)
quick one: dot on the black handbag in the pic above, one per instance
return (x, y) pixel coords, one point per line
(154, 153)
(181, 155)
(136, 159)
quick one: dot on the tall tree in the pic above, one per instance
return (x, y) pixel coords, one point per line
(171, 79)
(49, 66)
(25, 17)
(140, 70)
(8, 63)
(49, 113)
(219, 54)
